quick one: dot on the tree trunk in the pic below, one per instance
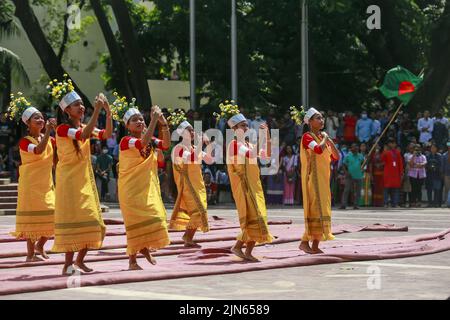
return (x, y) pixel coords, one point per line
(435, 89)
(119, 64)
(49, 60)
(133, 53)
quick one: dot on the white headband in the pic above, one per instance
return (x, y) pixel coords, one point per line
(131, 112)
(26, 115)
(182, 127)
(68, 99)
(311, 112)
(236, 119)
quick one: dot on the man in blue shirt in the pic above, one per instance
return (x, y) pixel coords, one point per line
(363, 130)
(353, 176)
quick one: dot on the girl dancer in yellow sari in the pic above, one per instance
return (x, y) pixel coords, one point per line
(140, 198)
(317, 150)
(78, 221)
(247, 189)
(36, 193)
(189, 212)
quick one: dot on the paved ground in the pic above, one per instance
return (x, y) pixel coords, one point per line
(424, 277)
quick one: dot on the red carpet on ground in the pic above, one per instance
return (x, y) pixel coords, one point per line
(214, 258)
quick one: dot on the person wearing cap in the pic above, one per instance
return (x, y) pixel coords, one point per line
(139, 193)
(316, 153)
(79, 224)
(36, 194)
(190, 210)
(247, 189)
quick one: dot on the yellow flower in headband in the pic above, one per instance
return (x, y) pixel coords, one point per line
(120, 106)
(176, 118)
(59, 89)
(297, 114)
(227, 110)
(17, 106)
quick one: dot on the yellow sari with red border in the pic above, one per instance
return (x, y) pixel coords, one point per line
(191, 204)
(143, 210)
(315, 173)
(36, 195)
(249, 197)
(78, 218)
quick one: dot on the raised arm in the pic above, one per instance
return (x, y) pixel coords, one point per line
(87, 130)
(151, 128)
(49, 126)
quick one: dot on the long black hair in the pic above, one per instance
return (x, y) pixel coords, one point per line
(63, 118)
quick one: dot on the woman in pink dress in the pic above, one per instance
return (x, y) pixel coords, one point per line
(290, 176)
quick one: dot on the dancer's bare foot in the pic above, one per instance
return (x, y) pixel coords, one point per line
(41, 251)
(238, 252)
(34, 258)
(251, 258)
(191, 244)
(148, 256)
(304, 246)
(83, 267)
(134, 266)
(68, 270)
(316, 251)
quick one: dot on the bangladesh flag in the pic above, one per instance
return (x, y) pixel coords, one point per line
(401, 83)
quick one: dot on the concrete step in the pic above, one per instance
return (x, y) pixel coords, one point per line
(7, 212)
(4, 181)
(11, 186)
(8, 205)
(8, 193)
(8, 199)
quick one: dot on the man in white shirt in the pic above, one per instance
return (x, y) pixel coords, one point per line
(425, 127)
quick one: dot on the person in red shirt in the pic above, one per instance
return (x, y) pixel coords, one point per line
(349, 127)
(393, 173)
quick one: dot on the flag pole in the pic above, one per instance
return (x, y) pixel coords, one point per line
(385, 130)
(381, 135)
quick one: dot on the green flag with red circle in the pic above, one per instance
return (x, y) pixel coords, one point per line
(400, 83)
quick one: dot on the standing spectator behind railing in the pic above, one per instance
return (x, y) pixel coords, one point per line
(340, 129)
(103, 169)
(15, 160)
(416, 163)
(440, 131)
(222, 180)
(289, 165)
(376, 126)
(4, 158)
(434, 180)
(211, 188)
(446, 172)
(331, 124)
(350, 127)
(425, 127)
(363, 129)
(393, 173)
(353, 176)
